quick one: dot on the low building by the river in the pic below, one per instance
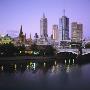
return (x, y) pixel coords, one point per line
(6, 39)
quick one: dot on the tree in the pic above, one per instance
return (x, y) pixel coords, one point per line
(8, 50)
(34, 47)
(21, 50)
(49, 50)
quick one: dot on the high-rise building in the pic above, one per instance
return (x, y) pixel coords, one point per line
(55, 32)
(43, 27)
(76, 32)
(30, 41)
(64, 28)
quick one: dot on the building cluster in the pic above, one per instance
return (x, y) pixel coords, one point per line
(59, 37)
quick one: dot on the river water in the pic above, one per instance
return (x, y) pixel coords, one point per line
(44, 76)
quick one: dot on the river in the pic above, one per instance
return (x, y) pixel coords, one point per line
(44, 76)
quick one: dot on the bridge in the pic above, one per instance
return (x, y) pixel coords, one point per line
(74, 51)
(85, 51)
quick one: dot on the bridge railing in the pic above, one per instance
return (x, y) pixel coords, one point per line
(68, 50)
(85, 51)
(75, 51)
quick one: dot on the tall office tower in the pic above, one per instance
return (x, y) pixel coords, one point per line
(76, 32)
(55, 32)
(30, 42)
(64, 28)
(43, 27)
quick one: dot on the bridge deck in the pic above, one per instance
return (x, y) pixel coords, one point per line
(75, 51)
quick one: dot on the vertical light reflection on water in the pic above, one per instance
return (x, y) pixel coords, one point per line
(34, 66)
(2, 67)
(60, 67)
(69, 61)
(56, 68)
(44, 64)
(55, 63)
(68, 69)
(53, 67)
(65, 61)
(73, 61)
(15, 66)
(27, 67)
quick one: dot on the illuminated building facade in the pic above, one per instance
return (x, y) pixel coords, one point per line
(76, 32)
(64, 28)
(55, 32)
(43, 27)
(6, 40)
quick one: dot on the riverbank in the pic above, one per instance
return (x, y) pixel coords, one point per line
(23, 59)
(27, 58)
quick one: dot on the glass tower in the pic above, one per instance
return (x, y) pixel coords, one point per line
(43, 27)
(64, 28)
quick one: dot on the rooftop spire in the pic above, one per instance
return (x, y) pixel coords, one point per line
(64, 12)
(21, 29)
(21, 32)
(43, 15)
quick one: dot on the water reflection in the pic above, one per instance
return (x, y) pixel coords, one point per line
(53, 66)
(2, 68)
(52, 75)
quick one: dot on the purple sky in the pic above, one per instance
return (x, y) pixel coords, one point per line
(13, 13)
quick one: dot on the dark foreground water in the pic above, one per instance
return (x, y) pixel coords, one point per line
(44, 76)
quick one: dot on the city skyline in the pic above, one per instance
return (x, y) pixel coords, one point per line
(28, 14)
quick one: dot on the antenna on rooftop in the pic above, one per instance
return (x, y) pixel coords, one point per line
(64, 12)
(43, 15)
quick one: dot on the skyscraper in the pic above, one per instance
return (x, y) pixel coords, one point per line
(43, 27)
(76, 32)
(55, 32)
(64, 28)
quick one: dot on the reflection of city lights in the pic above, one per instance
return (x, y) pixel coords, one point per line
(30, 63)
(34, 65)
(27, 66)
(15, 66)
(53, 68)
(57, 68)
(44, 64)
(65, 61)
(20, 51)
(69, 61)
(2, 68)
(73, 60)
(68, 68)
(55, 63)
